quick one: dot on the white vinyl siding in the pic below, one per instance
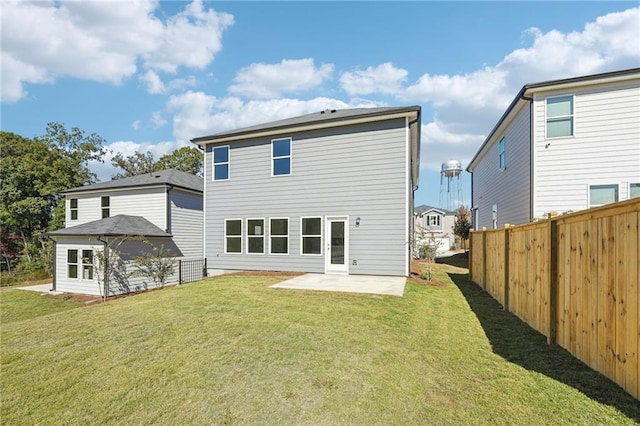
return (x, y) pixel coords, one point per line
(149, 203)
(604, 150)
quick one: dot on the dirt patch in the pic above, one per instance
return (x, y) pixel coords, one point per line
(417, 266)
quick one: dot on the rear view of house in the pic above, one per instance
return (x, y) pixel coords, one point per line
(562, 145)
(329, 192)
(127, 217)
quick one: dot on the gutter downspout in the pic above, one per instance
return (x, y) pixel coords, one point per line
(168, 215)
(55, 252)
(531, 162)
(105, 289)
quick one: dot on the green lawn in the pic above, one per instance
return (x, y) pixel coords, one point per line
(232, 351)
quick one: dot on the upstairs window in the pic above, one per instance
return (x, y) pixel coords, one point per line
(221, 163)
(501, 157)
(560, 117)
(634, 190)
(433, 222)
(281, 157)
(73, 208)
(602, 194)
(233, 236)
(311, 235)
(255, 236)
(104, 203)
(279, 231)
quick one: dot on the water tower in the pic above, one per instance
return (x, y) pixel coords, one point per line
(450, 186)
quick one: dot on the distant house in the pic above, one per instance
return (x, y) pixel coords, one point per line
(328, 192)
(562, 145)
(128, 216)
(437, 224)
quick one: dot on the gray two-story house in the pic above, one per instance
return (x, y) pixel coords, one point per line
(121, 220)
(328, 192)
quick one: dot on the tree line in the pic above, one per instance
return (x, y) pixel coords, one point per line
(33, 172)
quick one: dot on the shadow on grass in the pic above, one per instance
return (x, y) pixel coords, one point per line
(517, 342)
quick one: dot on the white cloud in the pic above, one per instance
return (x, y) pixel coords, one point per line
(198, 114)
(384, 78)
(264, 81)
(101, 41)
(440, 144)
(152, 80)
(136, 124)
(157, 119)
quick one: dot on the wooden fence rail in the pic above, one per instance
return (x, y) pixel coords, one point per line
(573, 278)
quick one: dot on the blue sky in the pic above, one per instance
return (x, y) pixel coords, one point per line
(153, 75)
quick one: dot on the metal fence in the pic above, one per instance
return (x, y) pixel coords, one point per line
(190, 270)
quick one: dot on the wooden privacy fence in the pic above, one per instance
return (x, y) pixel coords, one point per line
(574, 278)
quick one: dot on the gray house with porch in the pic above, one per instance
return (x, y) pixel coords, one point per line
(328, 192)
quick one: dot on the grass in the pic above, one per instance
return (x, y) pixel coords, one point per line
(232, 351)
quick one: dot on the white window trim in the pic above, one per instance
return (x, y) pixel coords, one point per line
(74, 208)
(80, 264)
(502, 157)
(573, 116)
(288, 236)
(290, 156)
(589, 205)
(302, 236)
(264, 236)
(430, 227)
(107, 208)
(224, 231)
(213, 163)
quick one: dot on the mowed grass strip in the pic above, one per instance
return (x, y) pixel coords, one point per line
(231, 350)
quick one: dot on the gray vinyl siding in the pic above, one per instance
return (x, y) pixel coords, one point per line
(186, 222)
(508, 188)
(605, 148)
(149, 203)
(355, 171)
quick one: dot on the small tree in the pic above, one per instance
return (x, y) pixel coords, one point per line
(462, 225)
(109, 267)
(427, 246)
(157, 265)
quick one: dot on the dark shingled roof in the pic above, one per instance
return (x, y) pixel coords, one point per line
(116, 226)
(167, 177)
(424, 208)
(313, 118)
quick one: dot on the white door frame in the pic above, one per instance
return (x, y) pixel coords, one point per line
(330, 268)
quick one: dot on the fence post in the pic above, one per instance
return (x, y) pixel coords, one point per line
(506, 266)
(470, 258)
(484, 258)
(552, 295)
(179, 271)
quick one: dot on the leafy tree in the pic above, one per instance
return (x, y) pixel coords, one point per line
(133, 165)
(33, 172)
(186, 159)
(462, 224)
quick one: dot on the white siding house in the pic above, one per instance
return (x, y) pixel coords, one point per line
(437, 224)
(562, 145)
(328, 192)
(129, 217)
